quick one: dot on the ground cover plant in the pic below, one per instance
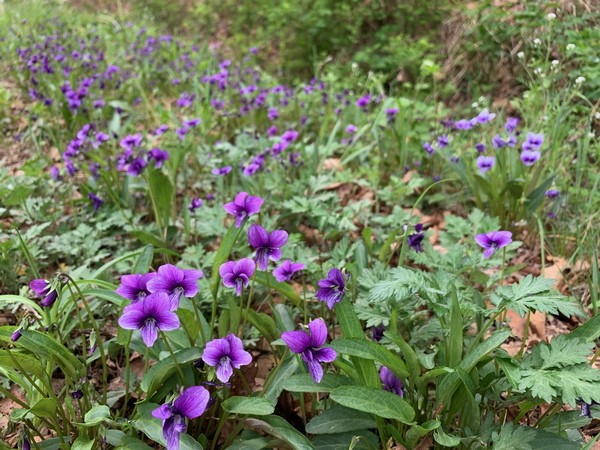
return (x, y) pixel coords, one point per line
(198, 253)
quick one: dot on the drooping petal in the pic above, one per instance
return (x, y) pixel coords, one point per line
(229, 280)
(489, 252)
(226, 268)
(245, 266)
(149, 332)
(297, 341)
(274, 254)
(192, 402)
(239, 356)
(253, 205)
(224, 370)
(172, 428)
(262, 258)
(257, 236)
(167, 320)
(325, 354)
(132, 318)
(502, 238)
(39, 286)
(49, 299)
(282, 272)
(483, 240)
(162, 412)
(318, 332)
(315, 370)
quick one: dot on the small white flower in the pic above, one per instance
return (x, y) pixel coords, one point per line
(536, 42)
(570, 46)
(551, 16)
(597, 115)
(545, 118)
(555, 62)
(475, 105)
(354, 66)
(591, 134)
(537, 70)
(521, 55)
(579, 80)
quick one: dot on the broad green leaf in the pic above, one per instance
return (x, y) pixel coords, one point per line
(6, 300)
(45, 407)
(158, 373)
(446, 440)
(339, 419)
(263, 323)
(409, 355)
(304, 382)
(416, 432)
(455, 340)
(131, 443)
(448, 384)
(274, 382)
(278, 427)
(374, 401)
(82, 443)
(258, 406)
(370, 350)
(267, 279)
(29, 363)
(144, 261)
(161, 194)
(253, 444)
(356, 440)
(96, 415)
(589, 331)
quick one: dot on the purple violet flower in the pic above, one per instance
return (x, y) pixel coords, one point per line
(415, 240)
(485, 163)
(97, 202)
(175, 282)
(332, 289)
(530, 157)
(390, 381)
(498, 142)
(310, 346)
(480, 147)
(161, 130)
(159, 156)
(428, 148)
(484, 116)
(195, 204)
(243, 206)
(149, 316)
(552, 194)
(511, 124)
(134, 287)
(221, 171)
(237, 274)
(267, 245)
(226, 354)
(391, 114)
(286, 270)
(351, 129)
(364, 101)
(443, 141)
(492, 241)
(463, 124)
(191, 403)
(533, 141)
(14, 337)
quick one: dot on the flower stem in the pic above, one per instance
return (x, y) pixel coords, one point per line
(172, 353)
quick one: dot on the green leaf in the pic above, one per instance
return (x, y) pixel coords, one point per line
(374, 401)
(304, 382)
(356, 440)
(536, 197)
(144, 261)
(339, 419)
(30, 364)
(252, 444)
(258, 406)
(589, 331)
(161, 193)
(278, 376)
(416, 432)
(45, 407)
(82, 443)
(444, 439)
(96, 415)
(6, 300)
(131, 443)
(535, 294)
(372, 351)
(163, 369)
(48, 349)
(278, 427)
(455, 340)
(449, 384)
(411, 358)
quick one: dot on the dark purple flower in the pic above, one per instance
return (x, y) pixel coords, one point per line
(175, 282)
(443, 141)
(485, 163)
(190, 404)
(221, 171)
(378, 332)
(351, 129)
(272, 114)
(530, 157)
(332, 289)
(97, 202)
(391, 114)
(511, 124)
(415, 240)
(237, 274)
(133, 140)
(14, 337)
(586, 410)
(251, 169)
(26, 444)
(480, 147)
(181, 132)
(533, 141)
(512, 141)
(136, 167)
(243, 206)
(135, 286)
(195, 204)
(289, 136)
(55, 173)
(286, 270)
(161, 130)
(267, 245)
(159, 156)
(191, 123)
(226, 354)
(493, 240)
(364, 101)
(77, 395)
(552, 194)
(98, 103)
(390, 381)
(150, 315)
(310, 346)
(428, 148)
(498, 142)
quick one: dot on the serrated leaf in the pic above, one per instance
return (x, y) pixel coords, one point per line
(535, 294)
(374, 401)
(258, 406)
